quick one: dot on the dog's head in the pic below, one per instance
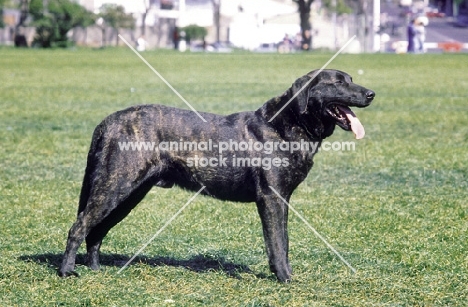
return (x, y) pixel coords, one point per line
(323, 100)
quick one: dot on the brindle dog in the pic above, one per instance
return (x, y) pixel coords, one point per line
(116, 180)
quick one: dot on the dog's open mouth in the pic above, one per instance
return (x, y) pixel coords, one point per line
(346, 119)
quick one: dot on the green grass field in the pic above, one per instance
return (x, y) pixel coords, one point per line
(396, 207)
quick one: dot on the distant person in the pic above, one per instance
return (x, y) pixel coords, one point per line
(417, 35)
(176, 38)
(411, 30)
(420, 34)
(285, 45)
(141, 43)
(298, 41)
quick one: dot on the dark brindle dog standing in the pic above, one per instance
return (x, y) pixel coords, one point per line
(116, 180)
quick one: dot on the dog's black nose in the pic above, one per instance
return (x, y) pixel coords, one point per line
(370, 95)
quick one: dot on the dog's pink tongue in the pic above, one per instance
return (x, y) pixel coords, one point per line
(356, 125)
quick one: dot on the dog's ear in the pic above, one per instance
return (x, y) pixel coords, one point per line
(302, 88)
(299, 90)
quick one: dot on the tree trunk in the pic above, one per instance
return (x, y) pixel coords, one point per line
(143, 23)
(304, 14)
(103, 37)
(217, 18)
(116, 31)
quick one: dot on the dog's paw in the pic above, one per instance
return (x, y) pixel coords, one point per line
(284, 279)
(67, 273)
(284, 276)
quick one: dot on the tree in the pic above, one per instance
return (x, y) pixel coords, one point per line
(55, 19)
(114, 16)
(304, 14)
(193, 32)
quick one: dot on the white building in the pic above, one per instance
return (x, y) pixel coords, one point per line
(244, 23)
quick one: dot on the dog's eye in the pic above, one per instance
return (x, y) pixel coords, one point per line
(339, 82)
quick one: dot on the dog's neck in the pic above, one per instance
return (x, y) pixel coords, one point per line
(292, 122)
(314, 125)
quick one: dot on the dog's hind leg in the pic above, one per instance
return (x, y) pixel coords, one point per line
(98, 232)
(76, 235)
(104, 210)
(110, 191)
(114, 182)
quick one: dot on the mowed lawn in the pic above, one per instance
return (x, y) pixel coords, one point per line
(395, 207)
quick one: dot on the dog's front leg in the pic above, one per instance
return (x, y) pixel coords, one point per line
(274, 215)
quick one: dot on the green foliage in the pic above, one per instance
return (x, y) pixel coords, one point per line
(53, 22)
(2, 5)
(114, 16)
(395, 208)
(193, 32)
(342, 7)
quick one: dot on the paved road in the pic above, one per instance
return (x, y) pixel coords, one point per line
(443, 30)
(439, 30)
